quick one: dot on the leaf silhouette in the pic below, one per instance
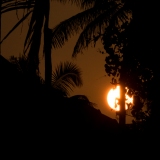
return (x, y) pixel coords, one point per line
(66, 76)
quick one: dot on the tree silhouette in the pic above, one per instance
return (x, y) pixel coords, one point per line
(91, 22)
(39, 20)
(65, 77)
(132, 55)
(128, 30)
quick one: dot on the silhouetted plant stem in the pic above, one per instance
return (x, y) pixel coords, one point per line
(47, 51)
(47, 46)
(48, 63)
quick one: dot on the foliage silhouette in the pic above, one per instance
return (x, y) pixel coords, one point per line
(35, 116)
(34, 120)
(97, 16)
(39, 20)
(65, 77)
(126, 20)
(31, 108)
(132, 50)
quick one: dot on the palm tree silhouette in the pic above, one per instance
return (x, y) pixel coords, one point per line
(98, 16)
(39, 20)
(66, 76)
(93, 20)
(102, 17)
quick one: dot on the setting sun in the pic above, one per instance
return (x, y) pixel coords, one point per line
(113, 98)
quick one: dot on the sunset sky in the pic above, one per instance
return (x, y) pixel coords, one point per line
(95, 82)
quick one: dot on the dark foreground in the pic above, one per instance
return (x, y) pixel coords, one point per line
(66, 131)
(40, 121)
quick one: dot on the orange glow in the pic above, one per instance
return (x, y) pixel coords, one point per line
(113, 99)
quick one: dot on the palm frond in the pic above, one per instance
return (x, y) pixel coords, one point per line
(35, 27)
(16, 25)
(66, 76)
(92, 21)
(83, 4)
(33, 38)
(96, 28)
(10, 5)
(124, 13)
(87, 4)
(73, 25)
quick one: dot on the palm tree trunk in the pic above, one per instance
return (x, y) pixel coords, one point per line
(47, 52)
(47, 46)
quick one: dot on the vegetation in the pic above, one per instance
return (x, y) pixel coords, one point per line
(132, 56)
(39, 10)
(66, 75)
(128, 30)
(96, 16)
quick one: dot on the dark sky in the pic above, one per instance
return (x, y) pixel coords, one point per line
(96, 84)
